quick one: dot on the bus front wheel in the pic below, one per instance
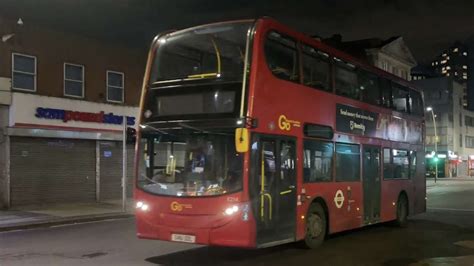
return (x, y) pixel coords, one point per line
(316, 226)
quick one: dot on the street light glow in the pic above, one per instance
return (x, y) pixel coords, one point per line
(429, 109)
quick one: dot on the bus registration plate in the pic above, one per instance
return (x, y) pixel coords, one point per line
(183, 238)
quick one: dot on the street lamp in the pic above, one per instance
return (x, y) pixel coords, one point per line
(430, 109)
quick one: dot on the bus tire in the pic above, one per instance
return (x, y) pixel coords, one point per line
(315, 226)
(402, 211)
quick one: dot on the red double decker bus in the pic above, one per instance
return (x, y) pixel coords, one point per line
(253, 135)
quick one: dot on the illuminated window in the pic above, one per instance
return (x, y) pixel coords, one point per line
(443, 62)
(464, 67)
(448, 67)
(464, 53)
(455, 50)
(447, 74)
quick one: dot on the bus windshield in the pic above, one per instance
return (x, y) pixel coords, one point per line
(189, 165)
(210, 51)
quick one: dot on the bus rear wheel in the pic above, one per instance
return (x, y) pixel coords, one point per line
(402, 211)
(316, 226)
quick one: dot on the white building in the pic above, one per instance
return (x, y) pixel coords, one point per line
(454, 125)
(391, 55)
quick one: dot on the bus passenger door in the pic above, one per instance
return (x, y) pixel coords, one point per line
(276, 196)
(371, 183)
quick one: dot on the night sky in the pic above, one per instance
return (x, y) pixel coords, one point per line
(426, 25)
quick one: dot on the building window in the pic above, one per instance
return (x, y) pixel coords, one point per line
(23, 72)
(460, 140)
(347, 162)
(395, 71)
(115, 86)
(464, 67)
(318, 156)
(469, 142)
(464, 53)
(403, 74)
(73, 80)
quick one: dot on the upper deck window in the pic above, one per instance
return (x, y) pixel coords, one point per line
(416, 103)
(315, 68)
(369, 88)
(211, 51)
(282, 56)
(400, 97)
(385, 86)
(346, 80)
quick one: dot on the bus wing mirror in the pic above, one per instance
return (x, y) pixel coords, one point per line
(241, 139)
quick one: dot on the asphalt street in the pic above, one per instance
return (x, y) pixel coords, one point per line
(442, 236)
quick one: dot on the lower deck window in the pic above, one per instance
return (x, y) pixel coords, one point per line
(347, 162)
(398, 164)
(318, 156)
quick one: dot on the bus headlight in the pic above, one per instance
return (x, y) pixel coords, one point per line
(142, 206)
(231, 210)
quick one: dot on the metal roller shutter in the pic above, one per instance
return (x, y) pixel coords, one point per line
(111, 170)
(47, 170)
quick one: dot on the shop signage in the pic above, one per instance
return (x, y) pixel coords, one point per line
(67, 115)
(355, 120)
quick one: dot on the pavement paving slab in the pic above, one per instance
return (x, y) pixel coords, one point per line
(27, 217)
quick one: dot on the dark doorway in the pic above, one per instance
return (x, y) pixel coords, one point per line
(371, 179)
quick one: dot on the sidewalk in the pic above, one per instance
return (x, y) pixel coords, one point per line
(57, 214)
(430, 182)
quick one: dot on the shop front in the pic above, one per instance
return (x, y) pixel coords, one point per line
(63, 150)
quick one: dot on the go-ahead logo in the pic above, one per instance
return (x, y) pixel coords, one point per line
(177, 207)
(286, 124)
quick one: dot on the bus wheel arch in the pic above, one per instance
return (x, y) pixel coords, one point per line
(316, 223)
(402, 209)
